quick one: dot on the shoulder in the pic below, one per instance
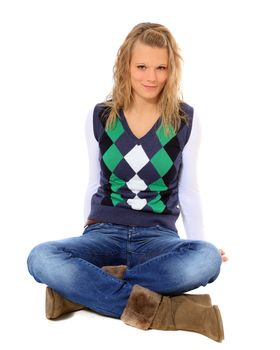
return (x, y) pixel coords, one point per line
(187, 113)
(186, 110)
(101, 113)
(97, 117)
(101, 109)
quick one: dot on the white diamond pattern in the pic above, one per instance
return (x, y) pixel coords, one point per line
(136, 184)
(137, 158)
(137, 203)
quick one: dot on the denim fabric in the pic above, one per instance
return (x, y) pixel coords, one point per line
(157, 258)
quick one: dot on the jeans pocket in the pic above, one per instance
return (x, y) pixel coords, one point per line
(165, 229)
(92, 227)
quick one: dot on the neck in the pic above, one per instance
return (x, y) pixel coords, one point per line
(141, 106)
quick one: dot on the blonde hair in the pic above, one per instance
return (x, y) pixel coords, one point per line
(154, 35)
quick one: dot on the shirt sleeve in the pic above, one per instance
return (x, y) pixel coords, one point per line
(188, 190)
(94, 164)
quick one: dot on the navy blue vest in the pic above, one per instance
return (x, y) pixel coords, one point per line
(139, 176)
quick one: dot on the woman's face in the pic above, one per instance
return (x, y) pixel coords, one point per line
(148, 71)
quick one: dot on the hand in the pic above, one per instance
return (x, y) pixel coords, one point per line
(223, 255)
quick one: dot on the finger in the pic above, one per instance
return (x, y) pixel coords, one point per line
(221, 251)
(224, 258)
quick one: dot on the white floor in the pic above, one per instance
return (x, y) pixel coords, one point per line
(56, 63)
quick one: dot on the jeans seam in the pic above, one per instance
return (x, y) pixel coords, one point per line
(101, 271)
(159, 258)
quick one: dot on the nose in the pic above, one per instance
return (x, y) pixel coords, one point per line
(151, 76)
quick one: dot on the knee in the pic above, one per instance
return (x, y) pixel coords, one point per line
(39, 257)
(212, 260)
(199, 265)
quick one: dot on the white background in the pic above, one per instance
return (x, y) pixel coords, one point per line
(56, 63)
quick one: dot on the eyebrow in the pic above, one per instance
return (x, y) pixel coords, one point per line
(161, 64)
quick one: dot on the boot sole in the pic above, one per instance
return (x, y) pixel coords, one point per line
(220, 322)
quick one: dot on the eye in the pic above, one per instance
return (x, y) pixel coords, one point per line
(141, 67)
(162, 68)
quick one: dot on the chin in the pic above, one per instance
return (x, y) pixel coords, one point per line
(150, 95)
(151, 98)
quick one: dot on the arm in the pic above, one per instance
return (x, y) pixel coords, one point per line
(188, 191)
(94, 164)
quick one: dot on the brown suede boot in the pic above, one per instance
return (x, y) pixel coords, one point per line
(203, 299)
(117, 271)
(57, 306)
(149, 310)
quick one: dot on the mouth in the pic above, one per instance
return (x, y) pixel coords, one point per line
(149, 86)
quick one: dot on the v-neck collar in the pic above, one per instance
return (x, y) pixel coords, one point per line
(126, 126)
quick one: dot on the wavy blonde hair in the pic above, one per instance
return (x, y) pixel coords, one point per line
(154, 35)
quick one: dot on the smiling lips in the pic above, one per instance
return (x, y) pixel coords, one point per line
(149, 86)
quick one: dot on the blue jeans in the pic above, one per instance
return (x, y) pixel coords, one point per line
(156, 257)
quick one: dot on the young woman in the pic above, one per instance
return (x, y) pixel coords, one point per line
(130, 263)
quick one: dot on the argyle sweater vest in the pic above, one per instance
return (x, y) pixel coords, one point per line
(139, 176)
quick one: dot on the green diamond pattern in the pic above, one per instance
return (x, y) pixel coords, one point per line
(162, 162)
(116, 182)
(116, 131)
(112, 157)
(156, 204)
(158, 186)
(162, 137)
(116, 198)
